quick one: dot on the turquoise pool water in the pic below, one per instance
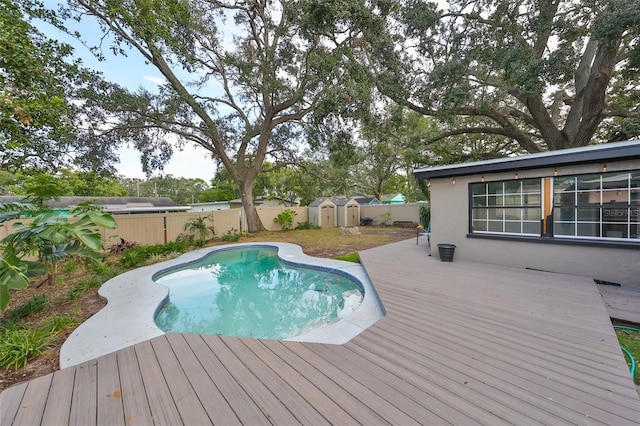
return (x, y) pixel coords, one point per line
(249, 292)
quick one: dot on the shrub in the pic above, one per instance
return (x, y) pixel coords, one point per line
(285, 219)
(231, 236)
(122, 246)
(425, 215)
(306, 225)
(138, 255)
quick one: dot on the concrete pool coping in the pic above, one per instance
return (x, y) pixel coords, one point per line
(133, 300)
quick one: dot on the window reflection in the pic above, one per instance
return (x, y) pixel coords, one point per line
(597, 205)
(510, 207)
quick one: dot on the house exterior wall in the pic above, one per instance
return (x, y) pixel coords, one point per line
(450, 224)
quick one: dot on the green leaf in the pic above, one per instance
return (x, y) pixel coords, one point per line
(12, 272)
(102, 219)
(89, 237)
(4, 297)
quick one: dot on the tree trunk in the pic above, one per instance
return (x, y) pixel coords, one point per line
(254, 224)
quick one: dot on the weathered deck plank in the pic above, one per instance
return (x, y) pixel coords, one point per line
(58, 405)
(329, 409)
(304, 412)
(244, 407)
(163, 408)
(10, 403)
(134, 397)
(34, 401)
(264, 398)
(84, 395)
(110, 408)
(204, 386)
(462, 343)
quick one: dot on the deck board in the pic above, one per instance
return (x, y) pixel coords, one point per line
(84, 394)
(304, 412)
(183, 395)
(209, 395)
(161, 404)
(110, 408)
(329, 410)
(10, 403)
(134, 398)
(462, 343)
(244, 407)
(34, 401)
(58, 406)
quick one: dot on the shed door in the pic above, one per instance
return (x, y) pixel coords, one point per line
(352, 215)
(328, 216)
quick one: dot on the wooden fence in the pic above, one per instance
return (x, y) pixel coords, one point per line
(158, 228)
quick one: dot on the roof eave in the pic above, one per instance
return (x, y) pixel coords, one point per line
(527, 162)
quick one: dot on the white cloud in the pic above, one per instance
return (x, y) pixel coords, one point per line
(192, 162)
(156, 80)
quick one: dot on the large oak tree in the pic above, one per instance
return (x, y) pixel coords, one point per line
(544, 74)
(241, 76)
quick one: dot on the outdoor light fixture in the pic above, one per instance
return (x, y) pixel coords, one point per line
(515, 176)
(453, 182)
(482, 178)
(604, 168)
(555, 172)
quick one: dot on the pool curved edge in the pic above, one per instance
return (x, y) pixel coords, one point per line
(133, 300)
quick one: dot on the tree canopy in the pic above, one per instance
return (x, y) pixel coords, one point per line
(241, 76)
(542, 75)
(41, 89)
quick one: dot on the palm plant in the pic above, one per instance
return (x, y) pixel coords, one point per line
(49, 237)
(198, 224)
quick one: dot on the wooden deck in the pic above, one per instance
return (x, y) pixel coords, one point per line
(462, 343)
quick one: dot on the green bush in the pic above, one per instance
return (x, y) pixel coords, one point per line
(138, 255)
(285, 219)
(306, 225)
(425, 215)
(231, 236)
(134, 256)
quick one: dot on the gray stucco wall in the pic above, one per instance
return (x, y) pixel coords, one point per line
(449, 216)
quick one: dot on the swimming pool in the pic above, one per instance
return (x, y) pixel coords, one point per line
(250, 292)
(134, 300)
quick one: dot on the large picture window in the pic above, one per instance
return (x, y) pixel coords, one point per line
(507, 207)
(605, 205)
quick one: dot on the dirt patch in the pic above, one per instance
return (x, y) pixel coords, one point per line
(327, 243)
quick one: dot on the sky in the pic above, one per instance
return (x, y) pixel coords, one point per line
(132, 72)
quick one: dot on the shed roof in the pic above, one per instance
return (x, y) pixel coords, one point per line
(615, 151)
(343, 201)
(318, 201)
(366, 200)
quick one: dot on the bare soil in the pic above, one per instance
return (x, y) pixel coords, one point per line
(327, 243)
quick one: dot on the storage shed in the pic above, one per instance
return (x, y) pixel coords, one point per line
(348, 211)
(322, 213)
